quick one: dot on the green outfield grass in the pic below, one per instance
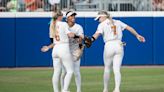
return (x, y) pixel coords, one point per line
(39, 80)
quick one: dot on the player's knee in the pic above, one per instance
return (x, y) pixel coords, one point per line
(70, 72)
(107, 70)
(56, 72)
(77, 74)
(55, 79)
(116, 72)
(76, 70)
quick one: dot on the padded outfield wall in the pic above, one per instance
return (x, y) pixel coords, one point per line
(23, 34)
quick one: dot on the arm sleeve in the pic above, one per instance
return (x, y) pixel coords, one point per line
(99, 29)
(80, 31)
(123, 25)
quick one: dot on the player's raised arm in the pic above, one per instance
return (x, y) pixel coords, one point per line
(134, 32)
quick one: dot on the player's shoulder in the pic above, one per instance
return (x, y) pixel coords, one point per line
(78, 25)
(120, 23)
(62, 23)
(117, 21)
(101, 24)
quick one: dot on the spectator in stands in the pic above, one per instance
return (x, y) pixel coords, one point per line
(12, 6)
(47, 5)
(162, 5)
(54, 4)
(64, 5)
(21, 5)
(34, 5)
(3, 5)
(158, 5)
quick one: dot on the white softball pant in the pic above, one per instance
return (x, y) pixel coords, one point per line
(76, 66)
(113, 55)
(61, 52)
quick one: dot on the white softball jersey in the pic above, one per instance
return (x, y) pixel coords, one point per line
(63, 31)
(78, 30)
(105, 29)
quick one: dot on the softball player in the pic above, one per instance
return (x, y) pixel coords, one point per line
(61, 52)
(111, 31)
(74, 46)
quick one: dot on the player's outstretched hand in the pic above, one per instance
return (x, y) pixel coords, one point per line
(141, 38)
(87, 41)
(44, 48)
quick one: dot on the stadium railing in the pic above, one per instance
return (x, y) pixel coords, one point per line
(81, 5)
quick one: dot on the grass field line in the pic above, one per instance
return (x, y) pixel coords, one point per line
(40, 68)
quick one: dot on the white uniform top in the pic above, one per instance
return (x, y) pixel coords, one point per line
(108, 34)
(78, 30)
(62, 28)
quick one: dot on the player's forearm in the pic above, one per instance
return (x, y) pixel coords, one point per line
(132, 30)
(96, 35)
(80, 40)
(46, 48)
(51, 46)
(81, 36)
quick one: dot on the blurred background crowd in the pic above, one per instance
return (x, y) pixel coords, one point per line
(80, 5)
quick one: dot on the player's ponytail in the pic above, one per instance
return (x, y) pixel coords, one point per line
(112, 22)
(56, 14)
